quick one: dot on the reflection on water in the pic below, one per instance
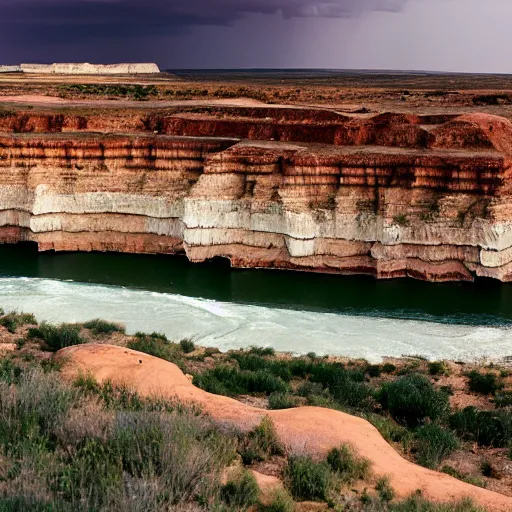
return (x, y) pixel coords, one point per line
(484, 302)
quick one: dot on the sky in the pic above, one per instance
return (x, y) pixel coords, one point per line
(436, 35)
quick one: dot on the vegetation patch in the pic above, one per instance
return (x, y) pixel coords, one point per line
(56, 337)
(433, 444)
(98, 327)
(413, 399)
(13, 320)
(307, 479)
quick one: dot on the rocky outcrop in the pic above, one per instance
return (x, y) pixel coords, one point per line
(10, 69)
(389, 195)
(84, 68)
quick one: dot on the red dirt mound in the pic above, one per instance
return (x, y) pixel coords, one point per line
(312, 430)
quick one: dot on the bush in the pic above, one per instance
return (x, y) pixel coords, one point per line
(412, 400)
(282, 401)
(155, 346)
(310, 388)
(346, 386)
(347, 465)
(261, 443)
(488, 470)
(484, 383)
(55, 337)
(390, 430)
(242, 492)
(187, 346)
(262, 351)
(98, 326)
(308, 480)
(14, 320)
(417, 503)
(438, 368)
(388, 368)
(487, 428)
(384, 489)
(31, 409)
(281, 501)
(433, 444)
(503, 399)
(228, 380)
(465, 478)
(374, 370)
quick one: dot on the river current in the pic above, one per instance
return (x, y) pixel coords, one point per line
(355, 316)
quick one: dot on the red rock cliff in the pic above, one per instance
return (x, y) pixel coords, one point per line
(388, 195)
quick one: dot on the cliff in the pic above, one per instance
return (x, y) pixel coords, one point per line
(84, 68)
(387, 195)
(10, 69)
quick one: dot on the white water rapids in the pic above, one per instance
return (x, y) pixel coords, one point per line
(230, 325)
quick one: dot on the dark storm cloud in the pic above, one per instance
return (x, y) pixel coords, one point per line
(68, 19)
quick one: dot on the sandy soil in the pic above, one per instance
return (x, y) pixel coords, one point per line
(311, 430)
(42, 100)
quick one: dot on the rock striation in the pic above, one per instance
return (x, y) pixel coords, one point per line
(10, 69)
(84, 68)
(387, 195)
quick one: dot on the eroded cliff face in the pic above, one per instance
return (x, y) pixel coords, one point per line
(387, 195)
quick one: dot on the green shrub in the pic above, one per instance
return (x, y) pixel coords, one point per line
(254, 362)
(390, 430)
(438, 368)
(503, 399)
(488, 470)
(228, 380)
(56, 337)
(310, 388)
(412, 400)
(96, 468)
(14, 320)
(484, 383)
(347, 465)
(280, 501)
(98, 326)
(465, 478)
(308, 480)
(384, 489)
(24, 504)
(388, 368)
(187, 346)
(487, 428)
(260, 443)
(374, 370)
(262, 351)
(416, 503)
(241, 492)
(156, 346)
(282, 401)
(9, 371)
(433, 444)
(346, 386)
(31, 409)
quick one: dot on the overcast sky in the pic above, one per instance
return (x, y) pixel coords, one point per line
(442, 35)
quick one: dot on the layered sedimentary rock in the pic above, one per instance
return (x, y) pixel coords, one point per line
(84, 68)
(10, 69)
(386, 195)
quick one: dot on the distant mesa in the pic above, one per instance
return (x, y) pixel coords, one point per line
(84, 68)
(10, 69)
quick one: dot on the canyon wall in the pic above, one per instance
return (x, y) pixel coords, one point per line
(386, 195)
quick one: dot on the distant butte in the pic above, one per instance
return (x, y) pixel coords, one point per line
(84, 68)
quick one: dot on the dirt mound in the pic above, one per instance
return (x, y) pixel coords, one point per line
(312, 430)
(474, 131)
